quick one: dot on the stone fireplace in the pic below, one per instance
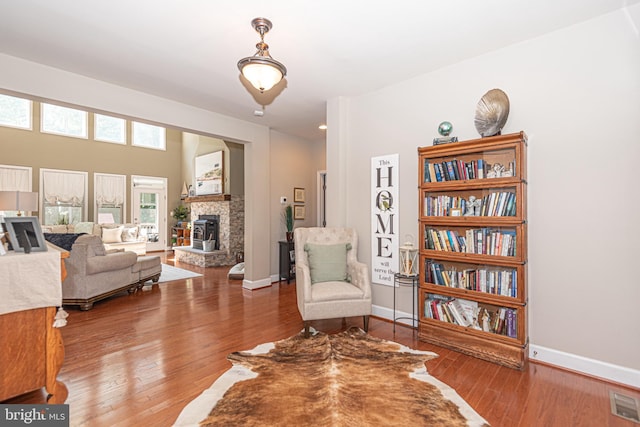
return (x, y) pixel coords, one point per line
(229, 210)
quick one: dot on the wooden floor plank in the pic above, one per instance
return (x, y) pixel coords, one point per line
(139, 359)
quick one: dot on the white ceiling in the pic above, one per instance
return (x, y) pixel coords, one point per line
(187, 50)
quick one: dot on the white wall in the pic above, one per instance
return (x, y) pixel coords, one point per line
(576, 93)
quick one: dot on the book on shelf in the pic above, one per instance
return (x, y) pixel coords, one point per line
(459, 312)
(481, 171)
(432, 173)
(511, 323)
(441, 172)
(499, 321)
(451, 173)
(511, 204)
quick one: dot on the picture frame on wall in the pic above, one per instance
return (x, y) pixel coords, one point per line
(298, 212)
(298, 195)
(209, 169)
(25, 234)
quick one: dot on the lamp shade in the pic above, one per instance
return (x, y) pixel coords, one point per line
(262, 73)
(18, 201)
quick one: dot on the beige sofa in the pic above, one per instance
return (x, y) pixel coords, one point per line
(94, 273)
(114, 236)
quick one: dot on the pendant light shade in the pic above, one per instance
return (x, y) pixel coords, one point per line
(261, 70)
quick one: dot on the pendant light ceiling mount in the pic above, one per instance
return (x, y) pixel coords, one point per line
(261, 70)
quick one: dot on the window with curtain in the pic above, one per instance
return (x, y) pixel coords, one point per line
(109, 195)
(14, 178)
(64, 195)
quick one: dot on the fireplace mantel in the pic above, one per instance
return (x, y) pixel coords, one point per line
(208, 198)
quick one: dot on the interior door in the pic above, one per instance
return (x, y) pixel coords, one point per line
(149, 212)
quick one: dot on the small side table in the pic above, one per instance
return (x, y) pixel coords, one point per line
(400, 280)
(287, 262)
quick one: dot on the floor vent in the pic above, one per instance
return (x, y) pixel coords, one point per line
(624, 406)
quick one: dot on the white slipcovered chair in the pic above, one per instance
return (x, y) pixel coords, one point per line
(330, 282)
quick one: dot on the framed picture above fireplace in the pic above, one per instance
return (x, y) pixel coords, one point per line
(209, 170)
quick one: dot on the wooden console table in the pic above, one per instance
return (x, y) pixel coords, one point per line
(32, 351)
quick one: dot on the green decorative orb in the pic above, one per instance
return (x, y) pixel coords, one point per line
(445, 128)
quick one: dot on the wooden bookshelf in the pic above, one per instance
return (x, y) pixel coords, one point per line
(473, 247)
(181, 235)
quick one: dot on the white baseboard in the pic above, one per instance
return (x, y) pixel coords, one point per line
(596, 368)
(256, 284)
(387, 313)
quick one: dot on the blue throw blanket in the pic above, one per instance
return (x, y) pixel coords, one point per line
(62, 240)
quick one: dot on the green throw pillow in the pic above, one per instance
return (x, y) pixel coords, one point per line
(327, 263)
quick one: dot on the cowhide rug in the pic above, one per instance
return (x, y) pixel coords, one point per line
(348, 379)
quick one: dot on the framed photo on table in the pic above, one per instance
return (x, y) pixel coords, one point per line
(25, 234)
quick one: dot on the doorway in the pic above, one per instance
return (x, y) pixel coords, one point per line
(149, 202)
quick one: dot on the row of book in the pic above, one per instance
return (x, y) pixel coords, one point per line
(456, 170)
(497, 203)
(501, 321)
(496, 281)
(485, 241)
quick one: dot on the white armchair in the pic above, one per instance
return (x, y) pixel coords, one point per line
(330, 282)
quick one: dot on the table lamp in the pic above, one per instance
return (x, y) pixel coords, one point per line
(18, 201)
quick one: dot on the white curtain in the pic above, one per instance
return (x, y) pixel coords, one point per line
(110, 190)
(15, 178)
(63, 187)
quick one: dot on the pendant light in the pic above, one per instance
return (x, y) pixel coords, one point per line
(262, 71)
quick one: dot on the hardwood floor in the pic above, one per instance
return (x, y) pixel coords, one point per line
(137, 360)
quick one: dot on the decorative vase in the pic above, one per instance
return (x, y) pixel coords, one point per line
(289, 236)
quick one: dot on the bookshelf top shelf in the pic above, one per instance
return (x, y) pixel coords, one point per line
(484, 144)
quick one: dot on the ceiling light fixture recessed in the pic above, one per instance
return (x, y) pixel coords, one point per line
(322, 127)
(262, 71)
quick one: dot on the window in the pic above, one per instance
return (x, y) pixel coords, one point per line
(149, 136)
(110, 129)
(15, 112)
(109, 195)
(14, 178)
(64, 195)
(64, 121)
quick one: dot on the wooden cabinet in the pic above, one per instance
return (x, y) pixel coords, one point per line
(287, 261)
(180, 236)
(32, 348)
(473, 247)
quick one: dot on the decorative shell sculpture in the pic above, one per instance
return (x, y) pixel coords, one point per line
(491, 113)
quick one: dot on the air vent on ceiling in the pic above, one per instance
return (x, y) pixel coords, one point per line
(624, 406)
